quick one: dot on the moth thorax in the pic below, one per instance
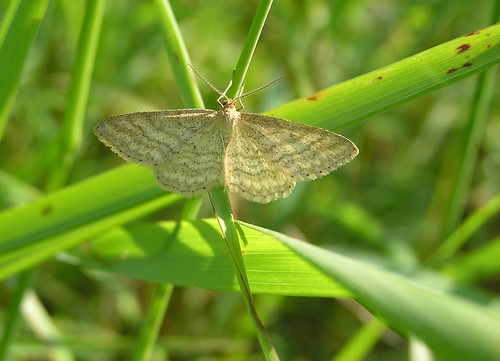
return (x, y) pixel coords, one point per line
(232, 115)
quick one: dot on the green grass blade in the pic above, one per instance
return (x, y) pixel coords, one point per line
(476, 265)
(220, 202)
(360, 345)
(14, 51)
(194, 254)
(81, 76)
(249, 47)
(12, 316)
(372, 93)
(473, 134)
(152, 323)
(464, 231)
(35, 232)
(7, 18)
(463, 331)
(178, 56)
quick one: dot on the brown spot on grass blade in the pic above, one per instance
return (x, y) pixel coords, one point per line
(46, 210)
(462, 48)
(314, 97)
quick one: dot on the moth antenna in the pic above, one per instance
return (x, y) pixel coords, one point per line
(240, 95)
(221, 94)
(206, 81)
(256, 90)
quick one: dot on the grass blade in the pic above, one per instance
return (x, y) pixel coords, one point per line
(463, 331)
(81, 76)
(68, 217)
(178, 56)
(14, 51)
(473, 134)
(375, 92)
(194, 254)
(464, 231)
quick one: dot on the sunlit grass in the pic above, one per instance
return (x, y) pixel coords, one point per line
(391, 206)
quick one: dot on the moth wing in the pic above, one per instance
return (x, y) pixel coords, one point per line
(267, 156)
(185, 148)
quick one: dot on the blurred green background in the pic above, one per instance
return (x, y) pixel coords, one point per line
(393, 196)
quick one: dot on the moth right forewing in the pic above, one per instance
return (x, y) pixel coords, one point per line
(250, 172)
(304, 152)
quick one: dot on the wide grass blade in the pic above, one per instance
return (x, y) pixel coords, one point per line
(35, 232)
(453, 328)
(359, 98)
(194, 254)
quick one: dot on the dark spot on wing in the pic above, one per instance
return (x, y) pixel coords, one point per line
(463, 48)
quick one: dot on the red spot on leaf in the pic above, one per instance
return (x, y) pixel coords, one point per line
(452, 70)
(466, 65)
(463, 48)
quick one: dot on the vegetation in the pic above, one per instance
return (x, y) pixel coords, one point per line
(394, 256)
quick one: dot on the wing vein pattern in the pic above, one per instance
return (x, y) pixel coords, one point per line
(185, 148)
(267, 156)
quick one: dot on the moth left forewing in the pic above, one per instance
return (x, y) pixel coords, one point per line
(149, 138)
(183, 147)
(305, 152)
